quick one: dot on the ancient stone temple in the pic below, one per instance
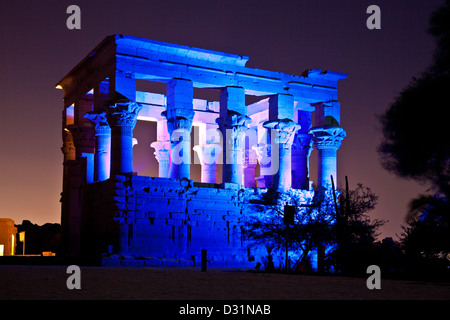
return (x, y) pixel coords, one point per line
(253, 132)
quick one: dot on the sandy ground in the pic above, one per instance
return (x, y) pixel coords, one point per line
(49, 282)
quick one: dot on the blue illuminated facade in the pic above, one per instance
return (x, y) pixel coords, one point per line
(112, 213)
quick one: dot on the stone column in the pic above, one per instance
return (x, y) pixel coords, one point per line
(264, 156)
(250, 162)
(282, 132)
(122, 117)
(180, 146)
(102, 158)
(208, 155)
(233, 122)
(179, 115)
(83, 139)
(282, 137)
(233, 128)
(68, 148)
(327, 140)
(301, 150)
(162, 154)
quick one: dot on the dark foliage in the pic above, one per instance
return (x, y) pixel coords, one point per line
(415, 127)
(355, 232)
(417, 146)
(426, 241)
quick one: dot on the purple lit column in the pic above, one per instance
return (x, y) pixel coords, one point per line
(179, 115)
(162, 154)
(327, 140)
(122, 117)
(282, 131)
(233, 123)
(208, 155)
(102, 157)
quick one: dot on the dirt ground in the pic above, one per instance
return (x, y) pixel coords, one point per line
(49, 282)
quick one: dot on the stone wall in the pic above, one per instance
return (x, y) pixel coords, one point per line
(154, 221)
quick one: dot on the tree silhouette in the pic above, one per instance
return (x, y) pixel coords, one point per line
(355, 232)
(426, 241)
(415, 126)
(416, 145)
(316, 226)
(311, 229)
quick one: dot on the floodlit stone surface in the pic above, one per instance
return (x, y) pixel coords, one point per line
(110, 211)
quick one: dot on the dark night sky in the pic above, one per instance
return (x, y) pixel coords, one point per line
(37, 50)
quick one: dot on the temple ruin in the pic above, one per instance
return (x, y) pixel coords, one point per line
(256, 136)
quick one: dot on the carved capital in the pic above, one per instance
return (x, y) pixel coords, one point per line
(83, 137)
(100, 121)
(285, 130)
(122, 113)
(233, 126)
(302, 143)
(180, 120)
(68, 147)
(327, 137)
(179, 123)
(162, 150)
(234, 120)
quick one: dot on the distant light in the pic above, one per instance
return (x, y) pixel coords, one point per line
(58, 87)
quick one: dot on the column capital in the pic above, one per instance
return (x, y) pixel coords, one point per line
(100, 122)
(68, 147)
(327, 137)
(122, 113)
(286, 130)
(234, 120)
(233, 126)
(83, 137)
(162, 150)
(302, 142)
